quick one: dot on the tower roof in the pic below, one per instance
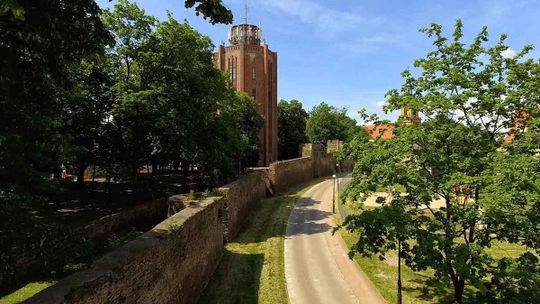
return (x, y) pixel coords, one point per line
(245, 33)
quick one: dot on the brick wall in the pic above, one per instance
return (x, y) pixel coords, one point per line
(172, 263)
(288, 173)
(240, 198)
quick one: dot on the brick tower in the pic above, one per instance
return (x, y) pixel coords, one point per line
(252, 68)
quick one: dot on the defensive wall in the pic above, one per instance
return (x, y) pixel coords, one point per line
(174, 261)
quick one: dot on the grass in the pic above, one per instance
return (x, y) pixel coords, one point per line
(25, 292)
(252, 269)
(416, 285)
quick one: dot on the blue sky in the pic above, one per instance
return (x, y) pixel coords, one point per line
(348, 53)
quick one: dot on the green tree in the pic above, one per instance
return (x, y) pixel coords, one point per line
(292, 120)
(134, 93)
(40, 42)
(187, 91)
(242, 118)
(469, 95)
(327, 122)
(88, 104)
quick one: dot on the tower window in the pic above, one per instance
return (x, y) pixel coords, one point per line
(254, 74)
(254, 93)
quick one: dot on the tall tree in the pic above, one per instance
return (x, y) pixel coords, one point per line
(40, 41)
(328, 122)
(133, 89)
(292, 120)
(469, 95)
(243, 121)
(88, 104)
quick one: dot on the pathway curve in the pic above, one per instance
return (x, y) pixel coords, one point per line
(317, 267)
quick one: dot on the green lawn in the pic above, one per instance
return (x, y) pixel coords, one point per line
(416, 289)
(252, 269)
(25, 292)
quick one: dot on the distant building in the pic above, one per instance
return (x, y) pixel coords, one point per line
(386, 131)
(252, 68)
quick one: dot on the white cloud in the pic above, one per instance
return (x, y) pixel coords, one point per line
(321, 16)
(508, 53)
(380, 103)
(367, 44)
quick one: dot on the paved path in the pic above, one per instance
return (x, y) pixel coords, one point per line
(317, 268)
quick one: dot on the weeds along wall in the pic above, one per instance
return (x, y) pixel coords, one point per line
(172, 263)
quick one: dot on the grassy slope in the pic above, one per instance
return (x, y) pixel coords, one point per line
(416, 289)
(25, 292)
(252, 268)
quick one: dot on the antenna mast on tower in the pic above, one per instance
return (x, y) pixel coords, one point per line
(245, 11)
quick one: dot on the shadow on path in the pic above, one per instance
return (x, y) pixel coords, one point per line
(307, 219)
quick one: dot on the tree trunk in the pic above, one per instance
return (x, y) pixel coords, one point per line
(459, 286)
(93, 187)
(80, 176)
(109, 192)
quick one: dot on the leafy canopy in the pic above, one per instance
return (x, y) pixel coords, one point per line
(470, 96)
(328, 122)
(292, 119)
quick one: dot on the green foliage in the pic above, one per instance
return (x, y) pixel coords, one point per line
(292, 119)
(469, 95)
(212, 9)
(40, 42)
(117, 89)
(327, 122)
(172, 105)
(243, 124)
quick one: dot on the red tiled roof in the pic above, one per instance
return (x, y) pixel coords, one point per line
(384, 131)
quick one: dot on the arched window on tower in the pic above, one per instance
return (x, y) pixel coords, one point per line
(254, 74)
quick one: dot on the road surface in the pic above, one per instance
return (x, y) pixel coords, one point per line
(317, 268)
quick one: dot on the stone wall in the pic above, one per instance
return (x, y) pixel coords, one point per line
(333, 146)
(172, 263)
(240, 198)
(346, 165)
(288, 173)
(327, 166)
(138, 216)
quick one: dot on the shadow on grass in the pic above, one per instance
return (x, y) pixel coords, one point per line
(238, 284)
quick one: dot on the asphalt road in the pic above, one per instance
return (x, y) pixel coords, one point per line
(317, 268)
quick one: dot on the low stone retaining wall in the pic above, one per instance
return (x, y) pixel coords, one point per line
(172, 263)
(240, 198)
(141, 215)
(288, 173)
